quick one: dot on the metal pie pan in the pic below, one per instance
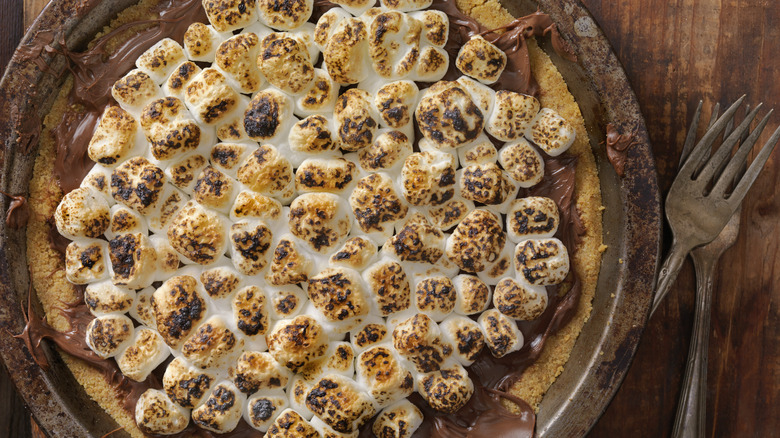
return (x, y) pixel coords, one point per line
(632, 224)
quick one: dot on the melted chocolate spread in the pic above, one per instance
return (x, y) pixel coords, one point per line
(94, 73)
(18, 211)
(617, 148)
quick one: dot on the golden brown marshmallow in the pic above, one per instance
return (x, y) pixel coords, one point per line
(125, 220)
(326, 24)
(108, 334)
(371, 333)
(552, 133)
(155, 413)
(345, 52)
(214, 189)
(485, 183)
(339, 359)
(435, 296)
(319, 97)
(481, 60)
(518, 300)
(114, 138)
(198, 233)
(142, 309)
(169, 128)
(133, 260)
(393, 44)
(450, 214)
(482, 95)
(532, 217)
(290, 424)
(466, 338)
(145, 353)
(286, 302)
(104, 297)
(512, 115)
(222, 410)
(201, 41)
(417, 241)
(322, 220)
(267, 115)
(168, 259)
(473, 295)
(220, 281)
(237, 58)
(288, 264)
(178, 308)
(250, 311)
(356, 253)
(522, 162)
(211, 345)
(297, 341)
(250, 204)
(389, 286)
(428, 178)
(312, 136)
(266, 171)
(332, 175)
(262, 410)
(185, 385)
(256, 371)
(431, 66)
(170, 202)
(159, 60)
(406, 5)
(137, 183)
(338, 402)
(85, 262)
(134, 90)
(182, 173)
(399, 420)
(501, 333)
(339, 294)
(285, 63)
(446, 390)
(284, 14)
(376, 205)
(179, 79)
(210, 97)
(387, 152)
(82, 213)
(482, 153)
(229, 15)
(382, 373)
(250, 242)
(419, 340)
(476, 241)
(355, 7)
(395, 103)
(354, 118)
(435, 26)
(542, 262)
(448, 117)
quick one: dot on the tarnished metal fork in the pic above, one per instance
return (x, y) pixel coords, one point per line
(690, 421)
(696, 212)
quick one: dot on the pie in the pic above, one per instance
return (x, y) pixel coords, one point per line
(311, 219)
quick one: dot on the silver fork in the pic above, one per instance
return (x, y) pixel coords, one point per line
(696, 214)
(690, 421)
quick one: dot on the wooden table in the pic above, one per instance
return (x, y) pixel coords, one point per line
(675, 52)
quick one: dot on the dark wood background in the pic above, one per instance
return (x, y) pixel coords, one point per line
(675, 52)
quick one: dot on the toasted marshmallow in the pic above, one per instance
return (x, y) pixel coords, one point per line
(416, 241)
(156, 414)
(290, 424)
(299, 389)
(428, 178)
(435, 26)
(473, 295)
(99, 180)
(114, 138)
(501, 267)
(222, 410)
(393, 44)
(133, 260)
(231, 128)
(295, 342)
(108, 334)
(83, 212)
(134, 90)
(381, 372)
(519, 300)
(355, 7)
(532, 218)
(145, 352)
(285, 63)
(104, 298)
(228, 156)
(339, 294)
(210, 97)
(371, 332)
(483, 153)
(266, 118)
(250, 204)
(542, 262)
(124, 220)
(399, 420)
(250, 311)
(395, 103)
(137, 183)
(356, 253)
(214, 189)
(266, 171)
(481, 60)
(229, 15)
(551, 132)
(432, 65)
(435, 296)
(186, 385)
(389, 286)
(220, 281)
(377, 206)
(211, 345)
(285, 14)
(387, 152)
(256, 371)
(326, 431)
(319, 97)
(236, 57)
(476, 241)
(466, 338)
(250, 242)
(332, 175)
(286, 302)
(86, 261)
(178, 308)
(201, 42)
(356, 123)
(142, 309)
(522, 162)
(262, 410)
(161, 59)
(312, 136)
(419, 340)
(183, 173)
(485, 183)
(326, 25)
(322, 220)
(198, 233)
(345, 51)
(338, 402)
(406, 5)
(340, 359)
(171, 200)
(288, 264)
(513, 113)
(446, 390)
(482, 95)
(501, 333)
(179, 79)
(442, 131)
(450, 213)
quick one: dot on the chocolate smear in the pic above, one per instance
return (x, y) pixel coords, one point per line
(617, 148)
(18, 211)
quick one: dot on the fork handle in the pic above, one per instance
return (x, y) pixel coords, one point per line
(669, 271)
(692, 408)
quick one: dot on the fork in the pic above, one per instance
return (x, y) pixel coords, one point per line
(698, 205)
(692, 407)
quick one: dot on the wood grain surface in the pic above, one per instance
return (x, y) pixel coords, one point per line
(675, 52)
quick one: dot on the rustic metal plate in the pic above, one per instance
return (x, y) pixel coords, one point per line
(632, 219)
